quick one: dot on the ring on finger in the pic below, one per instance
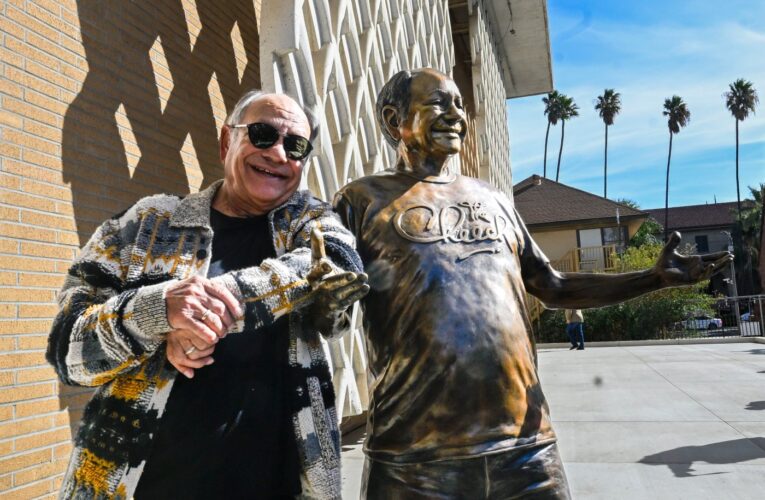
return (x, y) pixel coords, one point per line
(205, 315)
(190, 350)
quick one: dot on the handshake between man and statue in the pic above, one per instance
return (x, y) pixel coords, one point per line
(456, 409)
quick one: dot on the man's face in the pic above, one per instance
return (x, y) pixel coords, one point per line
(436, 122)
(259, 180)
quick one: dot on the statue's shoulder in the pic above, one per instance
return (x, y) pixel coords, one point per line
(373, 184)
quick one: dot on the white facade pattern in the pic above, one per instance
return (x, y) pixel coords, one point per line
(334, 56)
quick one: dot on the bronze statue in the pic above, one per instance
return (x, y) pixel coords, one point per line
(456, 408)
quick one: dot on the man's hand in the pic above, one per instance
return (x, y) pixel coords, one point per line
(187, 353)
(675, 269)
(331, 292)
(203, 308)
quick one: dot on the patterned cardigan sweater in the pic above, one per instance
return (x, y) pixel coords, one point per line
(110, 332)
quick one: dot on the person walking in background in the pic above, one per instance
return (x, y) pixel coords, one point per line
(575, 328)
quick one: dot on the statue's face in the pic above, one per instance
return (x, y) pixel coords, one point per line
(436, 122)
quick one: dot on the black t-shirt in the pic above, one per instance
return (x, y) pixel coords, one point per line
(227, 432)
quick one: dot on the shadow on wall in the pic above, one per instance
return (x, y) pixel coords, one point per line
(118, 38)
(680, 460)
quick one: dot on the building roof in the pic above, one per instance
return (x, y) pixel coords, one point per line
(697, 216)
(542, 201)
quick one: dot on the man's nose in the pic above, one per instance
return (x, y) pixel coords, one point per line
(276, 152)
(454, 113)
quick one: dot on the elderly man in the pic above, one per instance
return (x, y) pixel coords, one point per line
(456, 408)
(225, 275)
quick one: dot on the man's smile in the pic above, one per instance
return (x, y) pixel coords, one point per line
(266, 171)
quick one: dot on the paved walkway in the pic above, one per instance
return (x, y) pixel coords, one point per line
(650, 422)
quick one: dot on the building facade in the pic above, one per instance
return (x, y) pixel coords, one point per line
(102, 103)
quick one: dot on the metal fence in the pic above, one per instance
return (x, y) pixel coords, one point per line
(732, 317)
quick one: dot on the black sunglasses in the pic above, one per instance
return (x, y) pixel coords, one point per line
(263, 136)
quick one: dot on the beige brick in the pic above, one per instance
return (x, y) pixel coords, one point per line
(9, 57)
(7, 344)
(24, 460)
(31, 343)
(30, 141)
(6, 378)
(28, 295)
(9, 27)
(9, 214)
(61, 51)
(52, 251)
(33, 112)
(33, 490)
(6, 413)
(47, 160)
(9, 181)
(8, 150)
(51, 20)
(22, 360)
(25, 200)
(6, 482)
(25, 426)
(29, 81)
(62, 451)
(46, 131)
(37, 310)
(10, 119)
(70, 238)
(43, 439)
(8, 310)
(54, 77)
(47, 190)
(45, 220)
(26, 232)
(41, 407)
(55, 281)
(52, 6)
(34, 172)
(26, 264)
(45, 102)
(31, 53)
(62, 419)
(21, 327)
(39, 472)
(32, 24)
(26, 392)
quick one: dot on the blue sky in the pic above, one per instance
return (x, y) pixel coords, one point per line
(649, 50)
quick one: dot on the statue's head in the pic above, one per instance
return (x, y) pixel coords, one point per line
(422, 110)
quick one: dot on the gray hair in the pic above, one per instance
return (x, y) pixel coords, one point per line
(253, 95)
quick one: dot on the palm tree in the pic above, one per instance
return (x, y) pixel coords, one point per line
(552, 111)
(740, 100)
(568, 109)
(608, 106)
(678, 116)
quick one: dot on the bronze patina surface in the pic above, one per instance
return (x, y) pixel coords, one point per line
(451, 358)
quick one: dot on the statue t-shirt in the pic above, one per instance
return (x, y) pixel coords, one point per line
(448, 335)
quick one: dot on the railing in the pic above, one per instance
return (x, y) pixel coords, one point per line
(599, 259)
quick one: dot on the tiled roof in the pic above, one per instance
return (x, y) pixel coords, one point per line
(697, 216)
(543, 201)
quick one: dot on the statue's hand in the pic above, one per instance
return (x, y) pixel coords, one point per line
(675, 269)
(332, 292)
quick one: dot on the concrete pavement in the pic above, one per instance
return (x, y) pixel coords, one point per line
(649, 422)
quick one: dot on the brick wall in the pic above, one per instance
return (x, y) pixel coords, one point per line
(101, 102)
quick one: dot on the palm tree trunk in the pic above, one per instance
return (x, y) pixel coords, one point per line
(738, 192)
(666, 192)
(547, 134)
(605, 167)
(560, 151)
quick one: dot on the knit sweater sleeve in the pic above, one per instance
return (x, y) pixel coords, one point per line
(104, 328)
(279, 286)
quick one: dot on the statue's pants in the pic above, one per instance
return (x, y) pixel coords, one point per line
(530, 472)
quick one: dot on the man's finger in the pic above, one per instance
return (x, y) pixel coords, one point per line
(223, 294)
(318, 251)
(202, 331)
(196, 363)
(200, 353)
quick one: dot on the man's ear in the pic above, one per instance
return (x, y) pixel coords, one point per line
(390, 121)
(225, 138)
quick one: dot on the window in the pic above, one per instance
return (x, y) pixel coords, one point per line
(615, 236)
(702, 243)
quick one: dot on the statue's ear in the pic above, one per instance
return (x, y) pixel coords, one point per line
(390, 121)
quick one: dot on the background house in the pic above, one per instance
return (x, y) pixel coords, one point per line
(577, 230)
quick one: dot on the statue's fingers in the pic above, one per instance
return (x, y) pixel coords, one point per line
(349, 290)
(713, 257)
(318, 251)
(340, 279)
(350, 299)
